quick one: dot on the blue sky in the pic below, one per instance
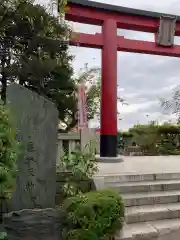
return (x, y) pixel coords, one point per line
(142, 79)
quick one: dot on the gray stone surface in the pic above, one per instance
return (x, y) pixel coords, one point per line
(90, 134)
(34, 224)
(113, 179)
(156, 230)
(99, 183)
(117, 159)
(148, 186)
(151, 198)
(173, 235)
(148, 213)
(142, 165)
(118, 179)
(36, 120)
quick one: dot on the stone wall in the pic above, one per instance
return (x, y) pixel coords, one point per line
(71, 140)
(88, 135)
(85, 185)
(68, 141)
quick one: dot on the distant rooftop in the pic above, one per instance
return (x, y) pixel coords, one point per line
(119, 9)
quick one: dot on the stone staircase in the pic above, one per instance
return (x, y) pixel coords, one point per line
(152, 204)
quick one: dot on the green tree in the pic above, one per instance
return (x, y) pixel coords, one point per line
(145, 136)
(39, 48)
(6, 42)
(39, 53)
(172, 104)
(34, 53)
(9, 148)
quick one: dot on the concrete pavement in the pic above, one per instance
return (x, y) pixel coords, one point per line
(140, 165)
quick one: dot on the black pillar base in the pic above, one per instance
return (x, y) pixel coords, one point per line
(108, 146)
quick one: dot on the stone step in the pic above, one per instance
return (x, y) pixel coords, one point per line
(150, 198)
(151, 213)
(155, 230)
(147, 186)
(108, 179)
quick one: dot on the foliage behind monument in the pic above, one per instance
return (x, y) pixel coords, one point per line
(9, 149)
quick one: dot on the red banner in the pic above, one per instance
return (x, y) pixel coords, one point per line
(82, 107)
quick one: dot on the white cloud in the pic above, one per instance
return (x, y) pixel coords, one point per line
(132, 108)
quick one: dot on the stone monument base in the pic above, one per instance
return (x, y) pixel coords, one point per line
(34, 224)
(117, 159)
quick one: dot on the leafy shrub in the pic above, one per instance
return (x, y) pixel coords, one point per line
(93, 216)
(154, 139)
(81, 164)
(8, 154)
(3, 236)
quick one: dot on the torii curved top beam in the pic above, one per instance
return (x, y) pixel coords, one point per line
(90, 12)
(118, 9)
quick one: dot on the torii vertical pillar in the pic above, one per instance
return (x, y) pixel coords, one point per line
(108, 140)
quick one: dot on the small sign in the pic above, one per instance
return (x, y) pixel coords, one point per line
(167, 30)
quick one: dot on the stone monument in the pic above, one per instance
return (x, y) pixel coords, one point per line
(36, 120)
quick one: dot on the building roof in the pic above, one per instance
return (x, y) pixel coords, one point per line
(119, 9)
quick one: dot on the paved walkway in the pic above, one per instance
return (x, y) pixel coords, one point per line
(139, 165)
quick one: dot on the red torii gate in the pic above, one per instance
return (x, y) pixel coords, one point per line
(111, 17)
